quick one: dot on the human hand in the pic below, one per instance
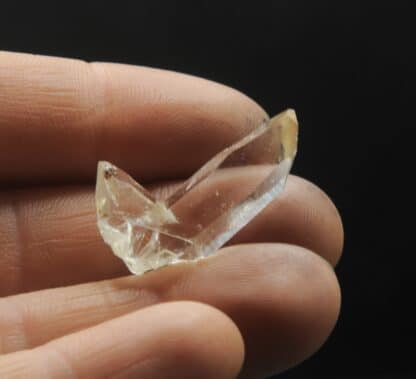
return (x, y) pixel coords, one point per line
(69, 310)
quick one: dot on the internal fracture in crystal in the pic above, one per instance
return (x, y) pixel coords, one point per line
(148, 230)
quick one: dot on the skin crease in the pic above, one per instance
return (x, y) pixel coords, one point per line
(277, 301)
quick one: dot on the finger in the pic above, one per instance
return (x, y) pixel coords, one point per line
(284, 300)
(59, 116)
(50, 238)
(173, 340)
(303, 215)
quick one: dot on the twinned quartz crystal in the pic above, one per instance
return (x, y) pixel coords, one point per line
(148, 230)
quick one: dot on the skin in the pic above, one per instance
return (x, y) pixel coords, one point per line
(266, 302)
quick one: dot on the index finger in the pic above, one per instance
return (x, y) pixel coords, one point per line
(58, 117)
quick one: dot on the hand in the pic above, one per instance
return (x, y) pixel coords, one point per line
(70, 310)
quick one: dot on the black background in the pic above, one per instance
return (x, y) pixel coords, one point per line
(346, 67)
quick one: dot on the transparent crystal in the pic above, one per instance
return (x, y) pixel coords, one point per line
(150, 230)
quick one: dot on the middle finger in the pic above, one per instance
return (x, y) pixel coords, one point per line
(50, 237)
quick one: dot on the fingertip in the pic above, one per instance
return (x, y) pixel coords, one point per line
(306, 314)
(195, 341)
(293, 303)
(211, 347)
(320, 212)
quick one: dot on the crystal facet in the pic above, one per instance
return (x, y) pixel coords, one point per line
(148, 230)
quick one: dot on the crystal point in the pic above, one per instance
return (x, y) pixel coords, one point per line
(148, 231)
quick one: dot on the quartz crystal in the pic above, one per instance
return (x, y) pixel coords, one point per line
(150, 230)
